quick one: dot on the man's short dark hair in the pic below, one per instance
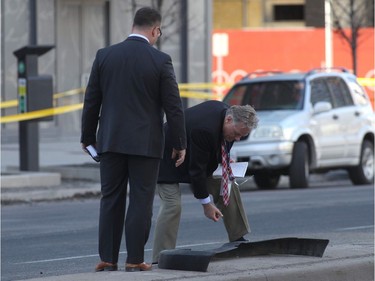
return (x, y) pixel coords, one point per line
(146, 16)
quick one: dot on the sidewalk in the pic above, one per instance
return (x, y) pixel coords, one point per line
(49, 183)
(339, 263)
(65, 158)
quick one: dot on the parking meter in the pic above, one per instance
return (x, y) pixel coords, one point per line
(35, 92)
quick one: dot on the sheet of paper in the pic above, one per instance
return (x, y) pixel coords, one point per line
(92, 151)
(238, 169)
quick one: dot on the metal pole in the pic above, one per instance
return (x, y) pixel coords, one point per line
(184, 51)
(29, 130)
(208, 36)
(107, 23)
(2, 63)
(328, 34)
(33, 22)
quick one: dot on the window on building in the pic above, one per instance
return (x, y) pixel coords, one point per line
(288, 12)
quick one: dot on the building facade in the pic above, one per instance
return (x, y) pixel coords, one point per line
(244, 14)
(78, 28)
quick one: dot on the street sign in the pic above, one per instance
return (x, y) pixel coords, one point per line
(220, 44)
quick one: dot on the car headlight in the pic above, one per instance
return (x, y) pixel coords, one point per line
(268, 132)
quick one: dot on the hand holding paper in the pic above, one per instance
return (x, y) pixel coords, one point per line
(92, 151)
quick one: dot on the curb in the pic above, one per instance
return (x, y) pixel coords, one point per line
(86, 171)
(29, 179)
(52, 175)
(339, 264)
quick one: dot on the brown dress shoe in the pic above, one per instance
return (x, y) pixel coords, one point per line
(131, 267)
(106, 266)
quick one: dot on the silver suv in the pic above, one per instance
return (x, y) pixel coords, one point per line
(308, 122)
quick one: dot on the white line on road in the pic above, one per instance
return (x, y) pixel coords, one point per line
(96, 255)
(355, 228)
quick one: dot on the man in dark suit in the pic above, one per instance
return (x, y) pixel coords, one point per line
(130, 87)
(211, 129)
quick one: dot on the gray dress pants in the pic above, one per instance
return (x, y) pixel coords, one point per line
(166, 229)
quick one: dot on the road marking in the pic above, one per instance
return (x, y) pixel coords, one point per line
(355, 228)
(96, 255)
(59, 259)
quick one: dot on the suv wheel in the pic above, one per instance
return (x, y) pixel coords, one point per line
(266, 179)
(364, 172)
(299, 167)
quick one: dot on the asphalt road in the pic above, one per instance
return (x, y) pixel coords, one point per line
(54, 238)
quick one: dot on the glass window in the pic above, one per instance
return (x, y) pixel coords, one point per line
(288, 12)
(272, 95)
(320, 91)
(236, 95)
(340, 92)
(359, 94)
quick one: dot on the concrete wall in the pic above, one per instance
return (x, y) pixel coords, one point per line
(14, 35)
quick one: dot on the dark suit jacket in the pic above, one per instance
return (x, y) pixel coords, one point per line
(130, 85)
(204, 129)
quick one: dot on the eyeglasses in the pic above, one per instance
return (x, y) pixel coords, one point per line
(160, 33)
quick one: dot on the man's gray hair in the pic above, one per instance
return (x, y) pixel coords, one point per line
(245, 114)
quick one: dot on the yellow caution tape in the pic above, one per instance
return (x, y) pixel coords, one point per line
(366, 82)
(186, 86)
(194, 86)
(14, 103)
(69, 93)
(40, 113)
(197, 95)
(185, 92)
(9, 103)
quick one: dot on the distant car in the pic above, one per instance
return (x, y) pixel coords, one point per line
(308, 122)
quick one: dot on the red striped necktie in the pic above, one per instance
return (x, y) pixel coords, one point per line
(227, 172)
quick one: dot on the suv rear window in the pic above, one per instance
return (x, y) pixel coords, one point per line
(269, 95)
(360, 95)
(340, 92)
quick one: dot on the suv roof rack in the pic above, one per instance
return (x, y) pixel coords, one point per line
(261, 73)
(327, 69)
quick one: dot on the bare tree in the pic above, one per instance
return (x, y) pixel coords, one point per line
(170, 11)
(355, 15)
(171, 17)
